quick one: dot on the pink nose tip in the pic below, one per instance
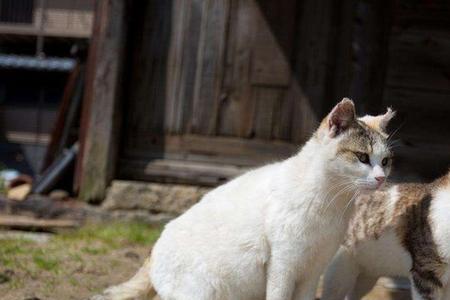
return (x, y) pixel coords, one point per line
(380, 179)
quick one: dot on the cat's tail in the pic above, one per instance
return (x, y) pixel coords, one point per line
(139, 287)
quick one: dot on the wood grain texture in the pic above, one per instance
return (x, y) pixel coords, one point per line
(210, 66)
(178, 171)
(226, 150)
(102, 94)
(182, 64)
(314, 60)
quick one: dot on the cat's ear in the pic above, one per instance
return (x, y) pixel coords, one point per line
(386, 118)
(341, 117)
(379, 122)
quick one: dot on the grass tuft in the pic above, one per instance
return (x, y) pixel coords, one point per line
(45, 262)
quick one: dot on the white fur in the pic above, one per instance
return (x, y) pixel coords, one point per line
(371, 259)
(440, 216)
(269, 233)
(255, 236)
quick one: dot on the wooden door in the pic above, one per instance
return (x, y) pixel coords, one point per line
(227, 84)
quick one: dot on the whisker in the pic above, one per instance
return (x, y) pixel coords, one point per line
(355, 196)
(395, 131)
(345, 189)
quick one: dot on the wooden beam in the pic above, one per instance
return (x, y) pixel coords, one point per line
(100, 118)
(24, 222)
(61, 125)
(179, 171)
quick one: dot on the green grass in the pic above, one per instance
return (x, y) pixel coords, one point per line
(11, 250)
(114, 235)
(69, 248)
(45, 262)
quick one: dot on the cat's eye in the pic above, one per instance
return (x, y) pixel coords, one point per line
(363, 157)
(385, 161)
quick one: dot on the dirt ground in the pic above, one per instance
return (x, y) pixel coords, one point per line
(79, 264)
(73, 265)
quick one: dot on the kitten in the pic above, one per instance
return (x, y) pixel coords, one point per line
(269, 233)
(401, 231)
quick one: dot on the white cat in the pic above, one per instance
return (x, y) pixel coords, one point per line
(269, 233)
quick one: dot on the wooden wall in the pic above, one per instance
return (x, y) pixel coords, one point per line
(211, 88)
(418, 85)
(235, 82)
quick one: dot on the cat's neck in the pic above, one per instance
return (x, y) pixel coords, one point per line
(310, 168)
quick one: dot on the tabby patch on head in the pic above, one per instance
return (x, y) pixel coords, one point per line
(362, 148)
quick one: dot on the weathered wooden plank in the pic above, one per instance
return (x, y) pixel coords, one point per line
(182, 63)
(24, 222)
(282, 117)
(259, 53)
(267, 100)
(226, 150)
(179, 21)
(178, 171)
(147, 71)
(312, 88)
(210, 68)
(305, 118)
(273, 43)
(101, 99)
(59, 127)
(237, 106)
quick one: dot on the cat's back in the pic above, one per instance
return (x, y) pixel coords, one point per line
(238, 198)
(372, 216)
(236, 206)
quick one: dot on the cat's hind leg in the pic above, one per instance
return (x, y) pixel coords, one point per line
(341, 275)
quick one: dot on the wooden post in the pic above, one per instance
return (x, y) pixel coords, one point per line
(100, 117)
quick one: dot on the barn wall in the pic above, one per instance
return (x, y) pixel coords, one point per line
(214, 87)
(234, 82)
(418, 86)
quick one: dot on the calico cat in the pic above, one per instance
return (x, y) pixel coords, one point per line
(269, 233)
(401, 231)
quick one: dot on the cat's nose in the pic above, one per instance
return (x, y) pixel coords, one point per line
(380, 179)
